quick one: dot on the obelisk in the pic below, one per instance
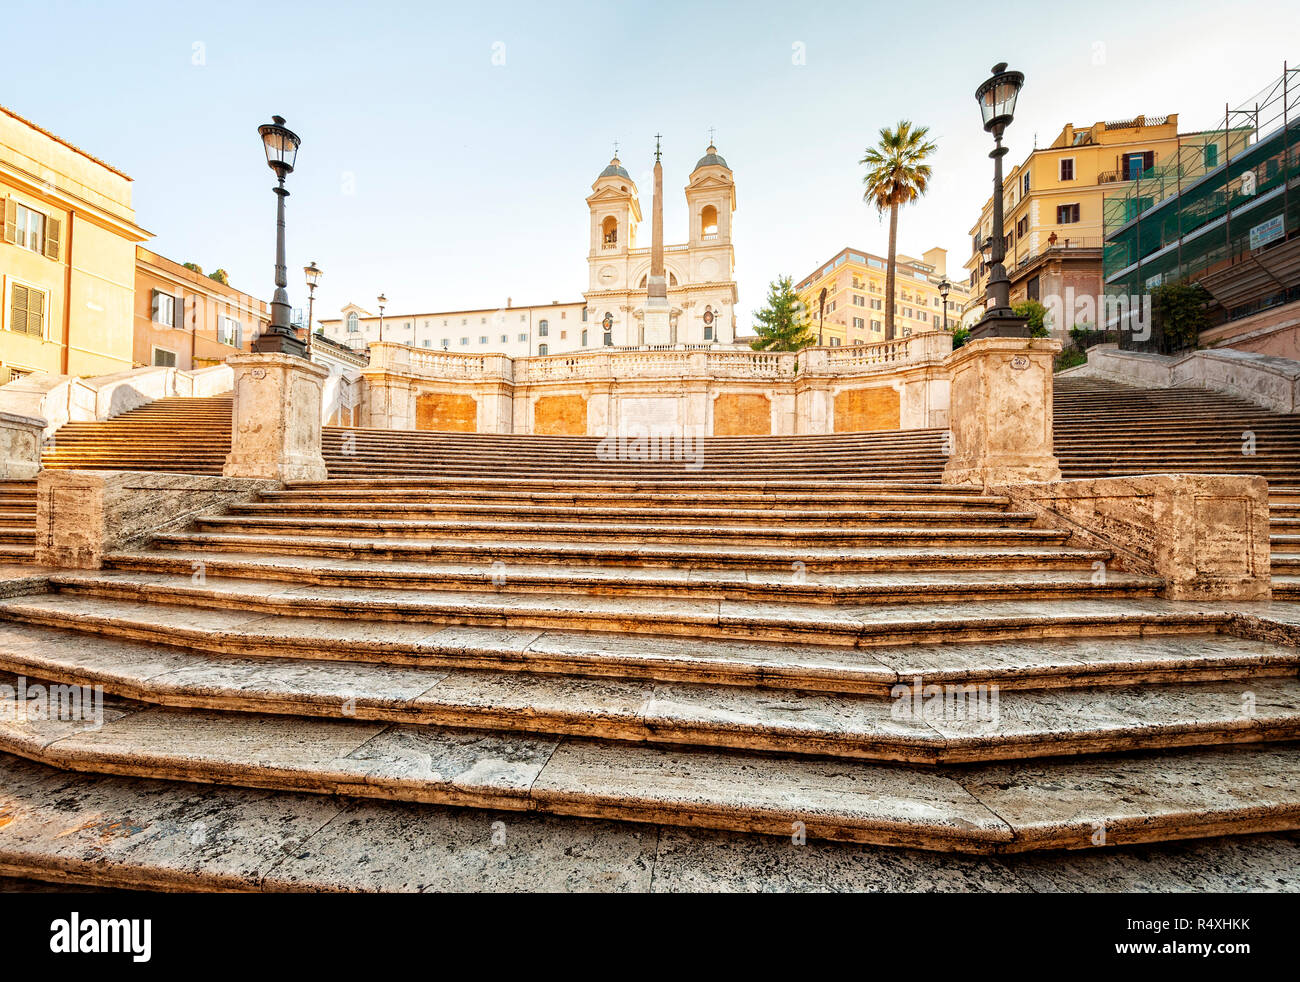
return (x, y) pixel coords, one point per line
(656, 326)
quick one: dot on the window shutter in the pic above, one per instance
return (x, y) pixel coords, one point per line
(52, 238)
(153, 306)
(18, 309)
(36, 313)
(178, 311)
(11, 220)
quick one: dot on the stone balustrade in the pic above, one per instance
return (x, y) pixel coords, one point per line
(730, 391)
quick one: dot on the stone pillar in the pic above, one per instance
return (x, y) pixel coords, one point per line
(1001, 412)
(20, 446)
(277, 426)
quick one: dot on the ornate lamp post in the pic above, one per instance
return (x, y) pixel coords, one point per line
(944, 289)
(281, 145)
(997, 98)
(381, 300)
(312, 272)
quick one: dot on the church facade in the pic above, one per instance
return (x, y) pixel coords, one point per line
(700, 275)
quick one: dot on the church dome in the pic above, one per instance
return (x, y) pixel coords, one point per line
(711, 158)
(615, 169)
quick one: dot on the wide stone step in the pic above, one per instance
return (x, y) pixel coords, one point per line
(752, 534)
(596, 511)
(798, 575)
(982, 809)
(907, 611)
(974, 722)
(1087, 644)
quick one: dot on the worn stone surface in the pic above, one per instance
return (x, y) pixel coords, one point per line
(276, 430)
(446, 411)
(20, 446)
(83, 515)
(1205, 535)
(866, 409)
(1001, 412)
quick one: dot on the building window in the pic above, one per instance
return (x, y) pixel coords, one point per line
(464, 342)
(523, 337)
(1136, 163)
(859, 301)
(543, 329)
(609, 232)
(543, 349)
(1022, 227)
(230, 331)
(28, 228)
(1067, 168)
(354, 325)
(445, 344)
(164, 309)
(835, 342)
(27, 310)
(163, 358)
(505, 339)
(1026, 185)
(584, 336)
(584, 315)
(482, 339)
(428, 342)
(1067, 214)
(1211, 155)
(875, 325)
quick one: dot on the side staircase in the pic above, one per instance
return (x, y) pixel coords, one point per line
(178, 433)
(17, 521)
(1104, 429)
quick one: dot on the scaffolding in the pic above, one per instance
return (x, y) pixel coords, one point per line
(1228, 190)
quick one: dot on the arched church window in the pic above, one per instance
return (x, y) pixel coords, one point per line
(709, 318)
(543, 329)
(354, 324)
(543, 349)
(607, 324)
(609, 231)
(709, 221)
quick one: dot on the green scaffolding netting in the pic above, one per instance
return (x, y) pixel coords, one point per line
(1199, 207)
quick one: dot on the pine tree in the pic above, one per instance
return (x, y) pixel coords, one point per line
(785, 323)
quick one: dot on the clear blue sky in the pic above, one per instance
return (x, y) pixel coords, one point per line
(467, 178)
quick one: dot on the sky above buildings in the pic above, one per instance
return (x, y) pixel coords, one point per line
(448, 148)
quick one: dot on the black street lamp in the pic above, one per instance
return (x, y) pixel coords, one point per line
(997, 99)
(944, 289)
(281, 145)
(821, 321)
(313, 273)
(381, 300)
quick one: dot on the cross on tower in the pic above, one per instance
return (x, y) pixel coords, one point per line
(657, 137)
(615, 149)
(711, 131)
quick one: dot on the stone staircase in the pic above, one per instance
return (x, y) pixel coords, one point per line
(17, 521)
(177, 433)
(1105, 429)
(725, 655)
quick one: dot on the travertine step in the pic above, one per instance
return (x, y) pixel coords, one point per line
(768, 619)
(982, 809)
(758, 534)
(815, 575)
(1013, 643)
(985, 725)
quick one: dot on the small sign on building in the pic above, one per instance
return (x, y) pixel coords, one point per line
(1266, 232)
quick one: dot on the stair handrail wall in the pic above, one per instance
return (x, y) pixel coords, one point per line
(1265, 380)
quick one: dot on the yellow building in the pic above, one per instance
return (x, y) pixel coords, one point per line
(67, 258)
(854, 281)
(1053, 205)
(186, 320)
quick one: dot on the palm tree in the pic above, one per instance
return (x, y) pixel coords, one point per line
(897, 174)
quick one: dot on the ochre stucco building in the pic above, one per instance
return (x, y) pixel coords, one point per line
(67, 258)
